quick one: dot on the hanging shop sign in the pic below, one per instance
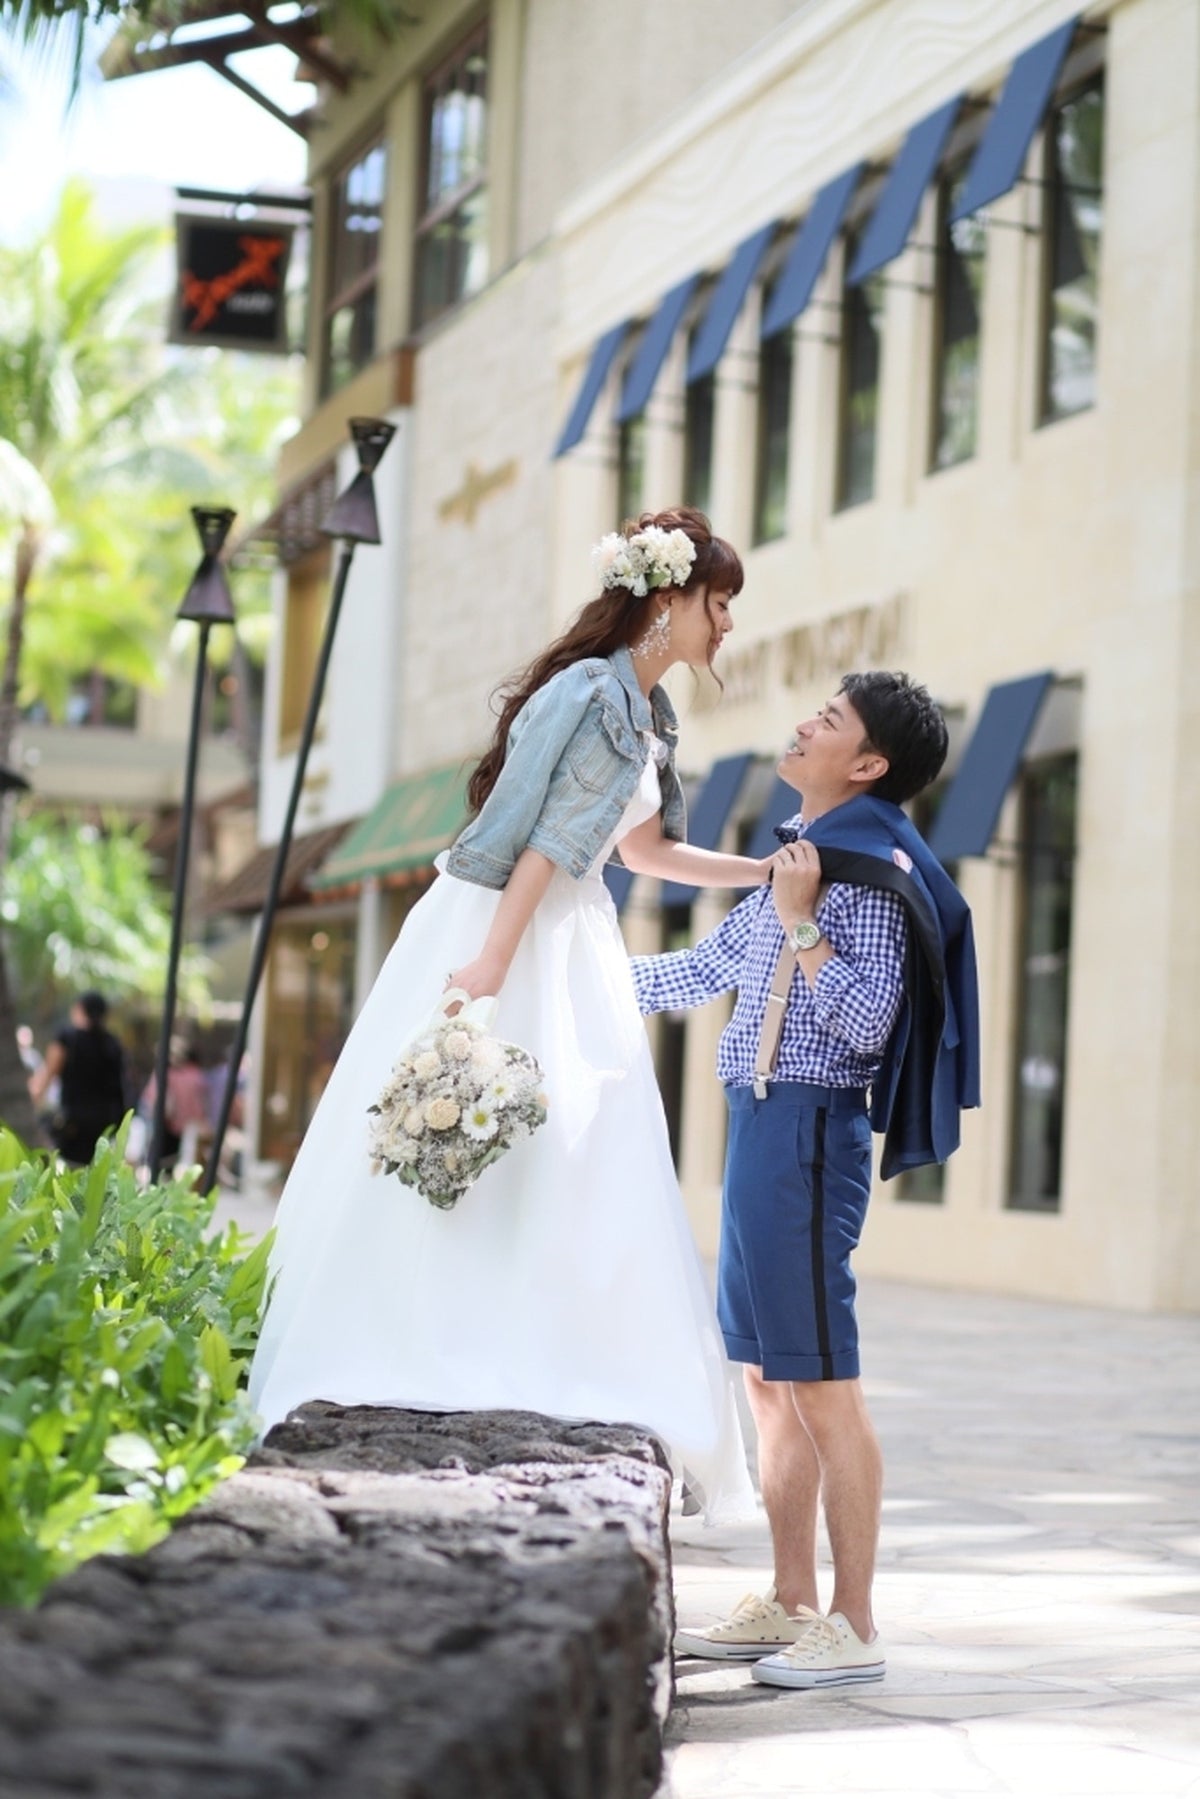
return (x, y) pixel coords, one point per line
(230, 287)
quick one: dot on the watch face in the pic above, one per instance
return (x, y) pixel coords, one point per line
(806, 935)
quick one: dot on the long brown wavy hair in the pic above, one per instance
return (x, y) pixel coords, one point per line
(615, 618)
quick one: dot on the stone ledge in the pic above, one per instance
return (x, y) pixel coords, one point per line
(422, 1606)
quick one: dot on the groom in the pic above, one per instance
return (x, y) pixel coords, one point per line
(854, 970)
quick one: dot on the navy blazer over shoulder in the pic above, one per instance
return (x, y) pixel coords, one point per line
(930, 1068)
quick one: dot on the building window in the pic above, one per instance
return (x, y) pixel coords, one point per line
(1074, 216)
(304, 622)
(774, 436)
(698, 414)
(451, 259)
(961, 251)
(96, 699)
(862, 327)
(1047, 856)
(355, 228)
(631, 466)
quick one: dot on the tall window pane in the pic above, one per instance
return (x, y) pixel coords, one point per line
(862, 329)
(961, 251)
(699, 406)
(1047, 828)
(355, 230)
(631, 466)
(1074, 217)
(774, 436)
(452, 229)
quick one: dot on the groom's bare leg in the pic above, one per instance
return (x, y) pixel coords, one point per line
(790, 1476)
(835, 1417)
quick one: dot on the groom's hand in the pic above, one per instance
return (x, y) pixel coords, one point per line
(796, 882)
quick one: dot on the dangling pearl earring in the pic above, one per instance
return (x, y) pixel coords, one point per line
(656, 638)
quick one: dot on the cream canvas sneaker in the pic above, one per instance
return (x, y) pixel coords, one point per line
(757, 1623)
(829, 1654)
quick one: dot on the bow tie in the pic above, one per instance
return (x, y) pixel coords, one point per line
(787, 833)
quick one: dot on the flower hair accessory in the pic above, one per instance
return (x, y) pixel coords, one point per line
(649, 559)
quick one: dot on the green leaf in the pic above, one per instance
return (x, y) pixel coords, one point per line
(127, 1450)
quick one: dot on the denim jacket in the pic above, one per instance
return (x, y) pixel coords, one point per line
(575, 757)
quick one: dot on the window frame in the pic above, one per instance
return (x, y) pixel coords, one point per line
(1017, 1200)
(843, 500)
(428, 218)
(366, 280)
(1077, 83)
(768, 348)
(948, 180)
(702, 413)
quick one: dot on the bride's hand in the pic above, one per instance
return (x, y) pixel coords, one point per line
(482, 978)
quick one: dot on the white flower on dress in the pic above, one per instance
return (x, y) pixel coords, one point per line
(486, 1056)
(441, 1114)
(480, 1122)
(499, 1090)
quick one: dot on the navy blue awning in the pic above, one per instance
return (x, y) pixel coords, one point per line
(1019, 112)
(898, 204)
(618, 880)
(728, 298)
(967, 816)
(648, 359)
(589, 389)
(709, 816)
(783, 802)
(806, 258)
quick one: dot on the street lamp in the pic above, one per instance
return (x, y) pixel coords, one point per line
(206, 603)
(354, 519)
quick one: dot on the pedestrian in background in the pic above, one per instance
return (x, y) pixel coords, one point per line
(186, 1112)
(89, 1064)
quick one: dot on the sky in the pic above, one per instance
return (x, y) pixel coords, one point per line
(140, 137)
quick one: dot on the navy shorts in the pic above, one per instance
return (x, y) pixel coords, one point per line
(797, 1181)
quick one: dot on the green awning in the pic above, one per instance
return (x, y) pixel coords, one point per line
(415, 819)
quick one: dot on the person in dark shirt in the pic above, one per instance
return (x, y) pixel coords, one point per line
(89, 1064)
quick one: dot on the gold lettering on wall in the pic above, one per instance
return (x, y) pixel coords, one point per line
(477, 485)
(817, 653)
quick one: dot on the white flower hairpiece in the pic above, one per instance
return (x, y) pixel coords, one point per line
(649, 559)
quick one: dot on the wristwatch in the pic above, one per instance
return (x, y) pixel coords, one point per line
(804, 934)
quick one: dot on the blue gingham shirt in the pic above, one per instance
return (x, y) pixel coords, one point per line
(835, 1032)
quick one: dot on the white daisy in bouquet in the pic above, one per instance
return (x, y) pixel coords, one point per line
(455, 1100)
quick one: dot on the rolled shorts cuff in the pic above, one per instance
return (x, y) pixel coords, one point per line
(841, 1365)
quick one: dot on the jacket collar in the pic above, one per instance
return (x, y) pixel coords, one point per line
(654, 714)
(639, 706)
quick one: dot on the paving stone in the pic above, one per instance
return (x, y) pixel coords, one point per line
(1038, 1589)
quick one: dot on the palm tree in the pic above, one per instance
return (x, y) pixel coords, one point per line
(85, 413)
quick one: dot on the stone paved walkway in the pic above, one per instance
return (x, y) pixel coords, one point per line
(1039, 1585)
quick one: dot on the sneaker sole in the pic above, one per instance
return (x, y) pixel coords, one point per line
(688, 1643)
(819, 1677)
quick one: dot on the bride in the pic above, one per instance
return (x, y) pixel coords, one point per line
(566, 1280)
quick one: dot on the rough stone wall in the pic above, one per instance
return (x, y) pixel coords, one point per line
(466, 1606)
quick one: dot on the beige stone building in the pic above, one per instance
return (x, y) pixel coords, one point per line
(907, 293)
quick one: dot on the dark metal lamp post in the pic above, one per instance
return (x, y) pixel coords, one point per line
(207, 602)
(354, 519)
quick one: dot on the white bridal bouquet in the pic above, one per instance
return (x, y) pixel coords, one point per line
(455, 1100)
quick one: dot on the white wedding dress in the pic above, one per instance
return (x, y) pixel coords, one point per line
(566, 1280)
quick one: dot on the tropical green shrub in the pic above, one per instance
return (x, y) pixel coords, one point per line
(124, 1334)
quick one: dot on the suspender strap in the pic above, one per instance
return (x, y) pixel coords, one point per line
(772, 1025)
